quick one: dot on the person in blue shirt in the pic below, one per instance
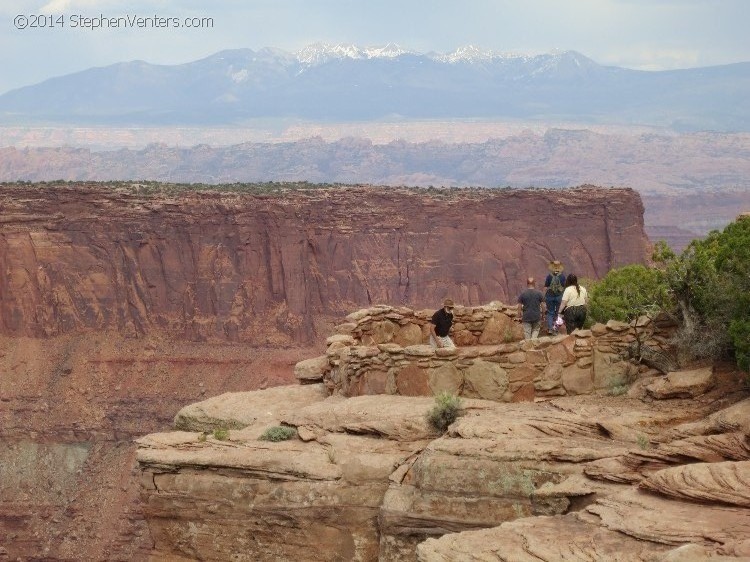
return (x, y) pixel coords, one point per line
(554, 288)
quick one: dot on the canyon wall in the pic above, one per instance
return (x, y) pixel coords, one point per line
(119, 305)
(276, 268)
(70, 407)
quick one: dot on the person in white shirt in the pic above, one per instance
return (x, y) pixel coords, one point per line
(573, 306)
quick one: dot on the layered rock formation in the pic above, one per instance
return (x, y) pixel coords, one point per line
(118, 305)
(649, 475)
(271, 269)
(70, 407)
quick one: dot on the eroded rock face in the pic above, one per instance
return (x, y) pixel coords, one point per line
(70, 408)
(271, 269)
(367, 478)
(317, 499)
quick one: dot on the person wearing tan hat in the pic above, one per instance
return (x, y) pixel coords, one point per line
(440, 326)
(554, 288)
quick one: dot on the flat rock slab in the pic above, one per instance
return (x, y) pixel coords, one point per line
(287, 460)
(661, 520)
(567, 462)
(399, 418)
(734, 446)
(683, 384)
(525, 421)
(237, 410)
(734, 418)
(539, 539)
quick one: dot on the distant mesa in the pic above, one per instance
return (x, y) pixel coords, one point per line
(269, 265)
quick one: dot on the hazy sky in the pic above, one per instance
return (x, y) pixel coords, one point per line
(642, 34)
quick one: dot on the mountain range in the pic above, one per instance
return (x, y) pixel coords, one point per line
(348, 83)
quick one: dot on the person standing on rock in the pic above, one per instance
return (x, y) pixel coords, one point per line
(531, 309)
(555, 286)
(574, 302)
(440, 326)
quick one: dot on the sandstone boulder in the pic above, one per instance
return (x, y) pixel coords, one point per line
(485, 380)
(384, 331)
(610, 370)
(410, 334)
(391, 417)
(345, 339)
(577, 380)
(312, 370)
(498, 329)
(683, 384)
(412, 380)
(445, 378)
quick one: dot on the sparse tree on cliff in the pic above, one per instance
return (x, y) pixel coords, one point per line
(711, 283)
(629, 292)
(707, 288)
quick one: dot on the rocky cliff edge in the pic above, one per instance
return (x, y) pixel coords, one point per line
(661, 472)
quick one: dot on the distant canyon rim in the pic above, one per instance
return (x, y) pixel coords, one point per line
(690, 183)
(292, 130)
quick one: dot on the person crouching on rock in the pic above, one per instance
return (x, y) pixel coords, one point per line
(531, 309)
(440, 326)
(573, 306)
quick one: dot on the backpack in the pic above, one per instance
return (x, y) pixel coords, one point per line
(555, 285)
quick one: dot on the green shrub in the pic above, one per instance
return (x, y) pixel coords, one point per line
(618, 390)
(628, 292)
(707, 288)
(444, 412)
(643, 442)
(278, 433)
(711, 284)
(221, 433)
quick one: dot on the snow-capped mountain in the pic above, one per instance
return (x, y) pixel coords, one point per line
(472, 54)
(347, 82)
(320, 53)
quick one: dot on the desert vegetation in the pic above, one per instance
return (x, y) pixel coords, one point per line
(444, 412)
(706, 289)
(278, 433)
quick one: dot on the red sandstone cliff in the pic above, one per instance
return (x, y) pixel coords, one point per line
(268, 269)
(84, 266)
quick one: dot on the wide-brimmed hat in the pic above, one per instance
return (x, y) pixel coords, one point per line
(556, 265)
(448, 303)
